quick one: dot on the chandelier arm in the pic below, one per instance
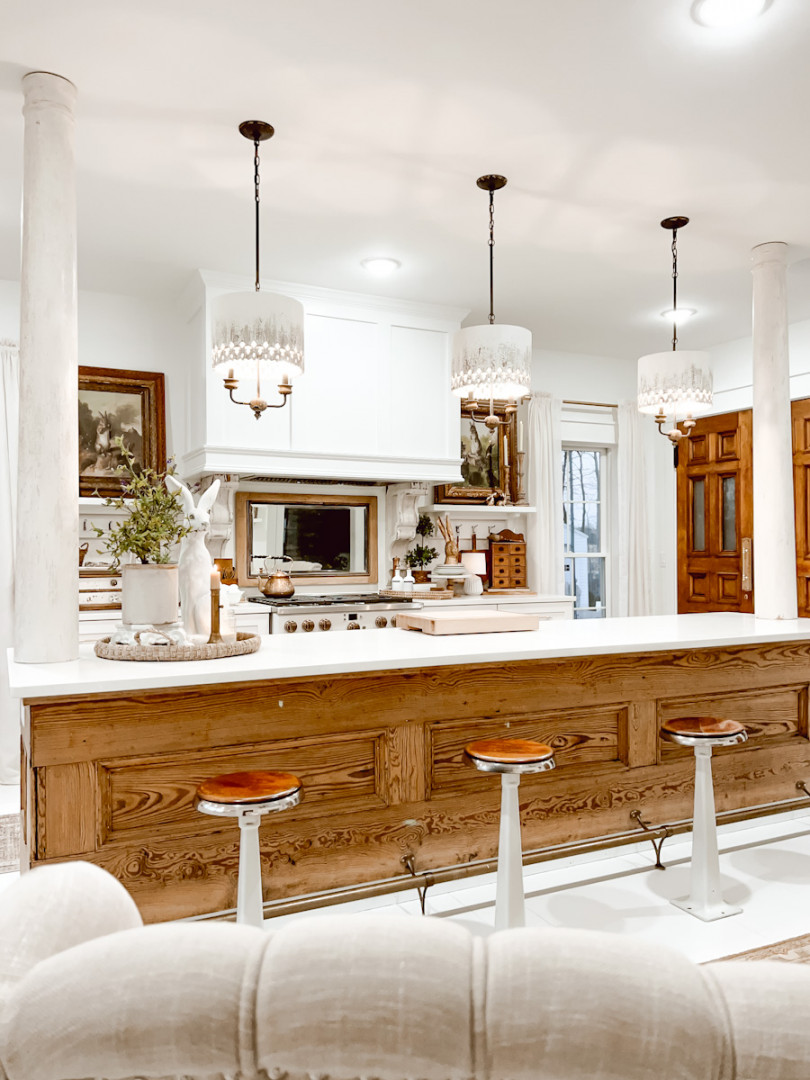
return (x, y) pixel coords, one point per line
(260, 404)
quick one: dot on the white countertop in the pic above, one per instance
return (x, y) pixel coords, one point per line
(489, 598)
(286, 656)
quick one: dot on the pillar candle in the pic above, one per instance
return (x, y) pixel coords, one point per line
(215, 579)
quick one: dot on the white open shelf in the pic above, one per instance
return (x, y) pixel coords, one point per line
(478, 511)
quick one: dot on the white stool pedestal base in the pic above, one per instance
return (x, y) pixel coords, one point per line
(704, 900)
(509, 900)
(249, 901)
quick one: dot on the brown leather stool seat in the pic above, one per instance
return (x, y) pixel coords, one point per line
(694, 730)
(511, 758)
(510, 755)
(248, 788)
(248, 796)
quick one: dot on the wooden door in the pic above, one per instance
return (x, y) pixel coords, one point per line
(800, 415)
(715, 515)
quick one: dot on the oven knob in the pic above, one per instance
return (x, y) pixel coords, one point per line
(353, 626)
(307, 625)
(290, 626)
(325, 624)
(380, 622)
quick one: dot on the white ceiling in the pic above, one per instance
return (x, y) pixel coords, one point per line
(605, 115)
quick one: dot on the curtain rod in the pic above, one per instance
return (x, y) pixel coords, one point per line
(593, 404)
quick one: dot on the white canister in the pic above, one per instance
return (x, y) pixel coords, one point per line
(149, 594)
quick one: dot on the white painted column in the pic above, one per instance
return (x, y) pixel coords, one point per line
(46, 573)
(774, 528)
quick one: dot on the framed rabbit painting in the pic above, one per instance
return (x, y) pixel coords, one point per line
(119, 405)
(484, 456)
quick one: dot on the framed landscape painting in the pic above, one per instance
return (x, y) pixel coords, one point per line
(113, 404)
(483, 456)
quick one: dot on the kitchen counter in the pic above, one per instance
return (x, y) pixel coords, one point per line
(283, 656)
(375, 723)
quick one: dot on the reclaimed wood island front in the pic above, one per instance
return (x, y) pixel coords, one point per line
(375, 724)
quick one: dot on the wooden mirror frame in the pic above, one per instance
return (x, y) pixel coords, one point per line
(245, 498)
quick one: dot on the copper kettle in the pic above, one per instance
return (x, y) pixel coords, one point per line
(279, 583)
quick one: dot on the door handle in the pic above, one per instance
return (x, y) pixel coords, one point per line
(747, 551)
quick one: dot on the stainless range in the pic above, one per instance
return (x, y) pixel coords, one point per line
(347, 611)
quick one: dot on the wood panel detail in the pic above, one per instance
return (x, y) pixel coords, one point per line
(778, 715)
(66, 819)
(583, 737)
(339, 773)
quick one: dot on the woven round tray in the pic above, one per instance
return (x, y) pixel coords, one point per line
(245, 643)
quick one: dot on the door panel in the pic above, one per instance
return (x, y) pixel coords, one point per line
(800, 412)
(715, 513)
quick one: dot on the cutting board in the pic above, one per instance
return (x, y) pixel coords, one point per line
(469, 621)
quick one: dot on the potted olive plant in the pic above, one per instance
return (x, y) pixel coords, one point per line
(420, 556)
(154, 524)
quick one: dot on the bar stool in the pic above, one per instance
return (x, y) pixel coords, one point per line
(703, 733)
(511, 758)
(248, 796)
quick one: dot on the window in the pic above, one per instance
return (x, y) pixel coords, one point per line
(584, 530)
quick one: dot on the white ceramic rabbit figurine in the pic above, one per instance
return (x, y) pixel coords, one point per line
(195, 563)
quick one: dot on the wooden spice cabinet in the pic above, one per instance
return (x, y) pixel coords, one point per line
(507, 564)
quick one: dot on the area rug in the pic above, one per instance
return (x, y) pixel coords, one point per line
(9, 842)
(793, 951)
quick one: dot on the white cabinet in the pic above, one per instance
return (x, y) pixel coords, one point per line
(551, 608)
(373, 403)
(250, 619)
(547, 607)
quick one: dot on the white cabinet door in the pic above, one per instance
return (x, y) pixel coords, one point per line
(253, 622)
(335, 403)
(423, 417)
(93, 629)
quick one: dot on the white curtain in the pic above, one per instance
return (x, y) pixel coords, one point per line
(544, 530)
(9, 412)
(633, 517)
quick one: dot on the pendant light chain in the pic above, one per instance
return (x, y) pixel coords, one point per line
(674, 289)
(256, 196)
(491, 257)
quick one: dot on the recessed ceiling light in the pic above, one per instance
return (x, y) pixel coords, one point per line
(680, 315)
(380, 267)
(726, 13)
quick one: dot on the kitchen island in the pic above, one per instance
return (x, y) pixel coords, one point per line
(375, 725)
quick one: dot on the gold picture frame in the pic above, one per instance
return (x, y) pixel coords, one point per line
(485, 455)
(114, 402)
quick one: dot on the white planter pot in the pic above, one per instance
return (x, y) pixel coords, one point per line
(149, 594)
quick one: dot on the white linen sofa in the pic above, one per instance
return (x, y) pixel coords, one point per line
(86, 991)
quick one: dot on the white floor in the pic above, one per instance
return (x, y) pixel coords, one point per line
(765, 868)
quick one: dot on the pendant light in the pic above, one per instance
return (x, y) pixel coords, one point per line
(676, 384)
(257, 335)
(492, 361)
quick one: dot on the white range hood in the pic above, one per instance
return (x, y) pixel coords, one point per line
(374, 401)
